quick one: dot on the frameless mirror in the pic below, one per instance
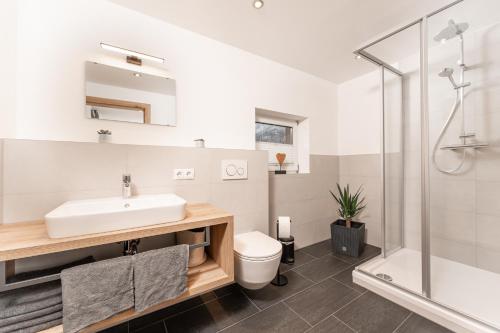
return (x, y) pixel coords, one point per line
(119, 94)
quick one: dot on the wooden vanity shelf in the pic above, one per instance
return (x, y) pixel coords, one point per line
(30, 239)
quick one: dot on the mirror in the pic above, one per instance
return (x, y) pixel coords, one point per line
(119, 94)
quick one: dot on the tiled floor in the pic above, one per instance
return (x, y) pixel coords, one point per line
(320, 297)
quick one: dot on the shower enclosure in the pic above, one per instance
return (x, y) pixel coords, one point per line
(440, 166)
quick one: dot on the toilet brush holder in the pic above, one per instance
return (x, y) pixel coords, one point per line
(279, 280)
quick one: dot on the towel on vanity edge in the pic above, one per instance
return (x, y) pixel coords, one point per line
(160, 275)
(94, 292)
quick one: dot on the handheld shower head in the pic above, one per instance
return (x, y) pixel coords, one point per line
(448, 72)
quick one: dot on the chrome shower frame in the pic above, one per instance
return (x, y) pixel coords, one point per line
(362, 52)
(424, 82)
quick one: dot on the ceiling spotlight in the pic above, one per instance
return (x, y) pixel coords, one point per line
(258, 4)
(358, 57)
(137, 74)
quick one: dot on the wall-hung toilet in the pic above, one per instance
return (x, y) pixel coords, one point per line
(256, 259)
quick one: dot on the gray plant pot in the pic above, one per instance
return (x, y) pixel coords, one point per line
(348, 241)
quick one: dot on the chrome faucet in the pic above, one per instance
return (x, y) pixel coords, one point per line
(126, 186)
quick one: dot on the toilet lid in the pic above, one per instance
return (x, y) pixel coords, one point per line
(256, 245)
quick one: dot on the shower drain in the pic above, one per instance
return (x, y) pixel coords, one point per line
(384, 277)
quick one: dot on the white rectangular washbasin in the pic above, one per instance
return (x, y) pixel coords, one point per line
(83, 217)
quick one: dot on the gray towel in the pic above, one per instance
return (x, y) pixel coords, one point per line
(160, 275)
(41, 327)
(24, 325)
(31, 315)
(29, 299)
(96, 291)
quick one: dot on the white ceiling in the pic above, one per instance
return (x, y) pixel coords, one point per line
(315, 36)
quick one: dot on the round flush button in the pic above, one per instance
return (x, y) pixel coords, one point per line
(231, 170)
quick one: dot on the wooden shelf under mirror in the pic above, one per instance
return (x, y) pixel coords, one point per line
(30, 239)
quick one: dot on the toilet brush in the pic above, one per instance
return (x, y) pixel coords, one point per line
(279, 280)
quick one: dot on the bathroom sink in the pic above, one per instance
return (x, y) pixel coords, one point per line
(83, 217)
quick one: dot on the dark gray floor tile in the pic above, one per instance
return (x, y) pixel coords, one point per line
(122, 328)
(275, 319)
(230, 289)
(301, 258)
(212, 316)
(320, 249)
(369, 252)
(372, 313)
(346, 278)
(418, 324)
(158, 327)
(270, 294)
(151, 318)
(331, 325)
(320, 301)
(322, 268)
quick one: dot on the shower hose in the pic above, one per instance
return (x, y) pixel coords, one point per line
(456, 105)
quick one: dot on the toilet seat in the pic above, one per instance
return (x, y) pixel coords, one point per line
(256, 259)
(256, 246)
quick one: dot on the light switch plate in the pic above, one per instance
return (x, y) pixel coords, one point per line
(184, 174)
(234, 169)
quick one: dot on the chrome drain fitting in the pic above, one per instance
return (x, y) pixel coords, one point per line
(384, 277)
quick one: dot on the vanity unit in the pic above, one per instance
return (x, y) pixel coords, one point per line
(30, 239)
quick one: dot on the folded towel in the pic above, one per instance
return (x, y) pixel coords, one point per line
(41, 327)
(94, 292)
(160, 275)
(27, 324)
(25, 300)
(31, 315)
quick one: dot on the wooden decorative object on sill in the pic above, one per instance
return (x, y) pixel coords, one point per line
(281, 159)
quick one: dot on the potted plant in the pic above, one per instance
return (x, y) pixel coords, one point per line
(348, 236)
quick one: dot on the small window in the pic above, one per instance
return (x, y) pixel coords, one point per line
(278, 136)
(273, 133)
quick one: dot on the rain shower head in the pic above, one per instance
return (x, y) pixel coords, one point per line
(451, 31)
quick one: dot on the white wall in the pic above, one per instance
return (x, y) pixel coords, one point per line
(359, 108)
(219, 86)
(8, 60)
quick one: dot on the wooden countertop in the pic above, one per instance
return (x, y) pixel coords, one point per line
(29, 239)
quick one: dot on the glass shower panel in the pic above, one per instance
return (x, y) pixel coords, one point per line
(464, 155)
(399, 58)
(393, 161)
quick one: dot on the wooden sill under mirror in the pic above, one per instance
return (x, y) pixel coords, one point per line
(93, 101)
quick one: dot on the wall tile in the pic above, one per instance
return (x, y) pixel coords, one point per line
(306, 199)
(488, 232)
(488, 198)
(488, 259)
(50, 166)
(463, 252)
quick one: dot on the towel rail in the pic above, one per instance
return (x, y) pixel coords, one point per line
(5, 285)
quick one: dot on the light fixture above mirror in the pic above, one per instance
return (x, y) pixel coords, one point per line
(133, 57)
